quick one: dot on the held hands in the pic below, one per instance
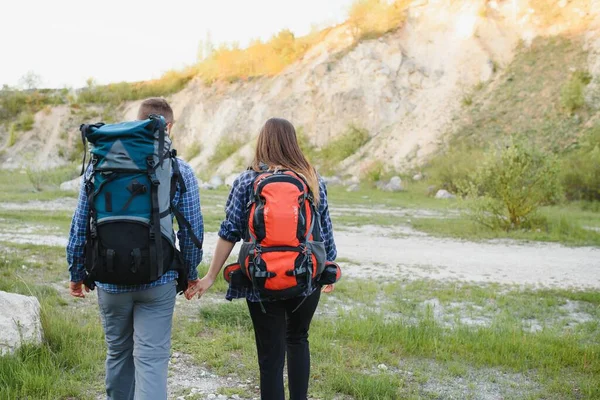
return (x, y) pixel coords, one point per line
(198, 287)
(328, 288)
(76, 289)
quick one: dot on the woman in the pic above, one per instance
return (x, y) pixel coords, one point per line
(280, 326)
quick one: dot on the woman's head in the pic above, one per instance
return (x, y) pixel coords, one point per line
(277, 147)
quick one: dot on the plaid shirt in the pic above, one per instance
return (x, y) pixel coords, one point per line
(188, 204)
(234, 226)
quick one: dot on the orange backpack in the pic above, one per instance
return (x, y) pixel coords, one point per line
(283, 253)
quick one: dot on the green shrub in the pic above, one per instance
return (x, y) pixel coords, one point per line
(374, 172)
(581, 169)
(192, 150)
(12, 135)
(25, 122)
(572, 93)
(511, 185)
(343, 147)
(225, 148)
(455, 167)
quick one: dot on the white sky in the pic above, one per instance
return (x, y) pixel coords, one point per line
(69, 41)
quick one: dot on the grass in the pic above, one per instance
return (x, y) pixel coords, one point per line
(427, 354)
(18, 186)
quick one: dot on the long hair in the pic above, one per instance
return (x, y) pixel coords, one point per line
(277, 147)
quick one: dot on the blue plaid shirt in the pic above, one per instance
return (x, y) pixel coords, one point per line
(188, 204)
(234, 226)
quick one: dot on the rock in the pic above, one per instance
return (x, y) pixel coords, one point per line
(332, 180)
(353, 188)
(19, 321)
(562, 3)
(71, 186)
(211, 396)
(395, 185)
(382, 367)
(216, 181)
(354, 180)
(418, 177)
(206, 186)
(444, 194)
(230, 179)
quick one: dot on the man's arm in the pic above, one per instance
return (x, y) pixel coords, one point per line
(76, 244)
(189, 205)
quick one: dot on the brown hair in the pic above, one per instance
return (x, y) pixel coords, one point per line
(156, 105)
(277, 147)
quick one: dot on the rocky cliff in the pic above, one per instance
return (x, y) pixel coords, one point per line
(405, 88)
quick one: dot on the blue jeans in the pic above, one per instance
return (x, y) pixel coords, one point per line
(137, 326)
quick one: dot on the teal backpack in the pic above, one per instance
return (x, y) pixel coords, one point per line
(130, 188)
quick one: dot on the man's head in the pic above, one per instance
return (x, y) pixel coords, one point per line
(158, 106)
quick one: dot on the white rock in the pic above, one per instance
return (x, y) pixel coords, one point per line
(332, 180)
(354, 180)
(71, 186)
(395, 185)
(353, 188)
(444, 194)
(211, 396)
(206, 186)
(418, 177)
(216, 181)
(19, 321)
(230, 179)
(382, 367)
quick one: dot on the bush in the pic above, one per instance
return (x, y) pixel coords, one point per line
(372, 18)
(192, 150)
(25, 122)
(581, 169)
(12, 135)
(342, 147)
(225, 148)
(510, 186)
(572, 93)
(453, 169)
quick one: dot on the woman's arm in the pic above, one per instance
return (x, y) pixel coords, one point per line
(222, 251)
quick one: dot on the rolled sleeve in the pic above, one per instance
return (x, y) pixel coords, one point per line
(233, 227)
(326, 225)
(77, 236)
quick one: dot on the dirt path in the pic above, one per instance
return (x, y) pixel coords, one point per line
(382, 252)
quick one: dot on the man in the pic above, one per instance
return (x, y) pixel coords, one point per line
(137, 319)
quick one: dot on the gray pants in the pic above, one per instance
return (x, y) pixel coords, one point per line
(137, 326)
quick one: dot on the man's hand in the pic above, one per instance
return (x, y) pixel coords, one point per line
(198, 287)
(328, 288)
(76, 289)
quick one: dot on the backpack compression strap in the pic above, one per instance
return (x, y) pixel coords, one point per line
(181, 220)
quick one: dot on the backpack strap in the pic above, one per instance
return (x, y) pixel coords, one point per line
(156, 250)
(181, 220)
(161, 136)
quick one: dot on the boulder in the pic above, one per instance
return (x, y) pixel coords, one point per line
(206, 186)
(394, 185)
(230, 179)
(216, 181)
(332, 180)
(418, 177)
(353, 188)
(19, 321)
(354, 180)
(444, 194)
(71, 186)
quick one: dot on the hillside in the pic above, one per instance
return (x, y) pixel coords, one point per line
(446, 70)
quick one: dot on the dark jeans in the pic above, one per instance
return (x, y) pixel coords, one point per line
(278, 331)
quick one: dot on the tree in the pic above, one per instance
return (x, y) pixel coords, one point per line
(30, 81)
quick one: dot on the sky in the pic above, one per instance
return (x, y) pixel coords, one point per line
(66, 42)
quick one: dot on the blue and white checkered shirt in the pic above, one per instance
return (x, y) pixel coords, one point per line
(188, 204)
(234, 226)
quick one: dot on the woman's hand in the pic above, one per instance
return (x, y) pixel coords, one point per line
(199, 287)
(328, 288)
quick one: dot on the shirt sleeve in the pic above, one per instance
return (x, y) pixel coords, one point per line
(234, 225)
(189, 205)
(326, 225)
(77, 236)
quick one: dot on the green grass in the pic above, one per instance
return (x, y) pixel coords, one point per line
(225, 148)
(17, 186)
